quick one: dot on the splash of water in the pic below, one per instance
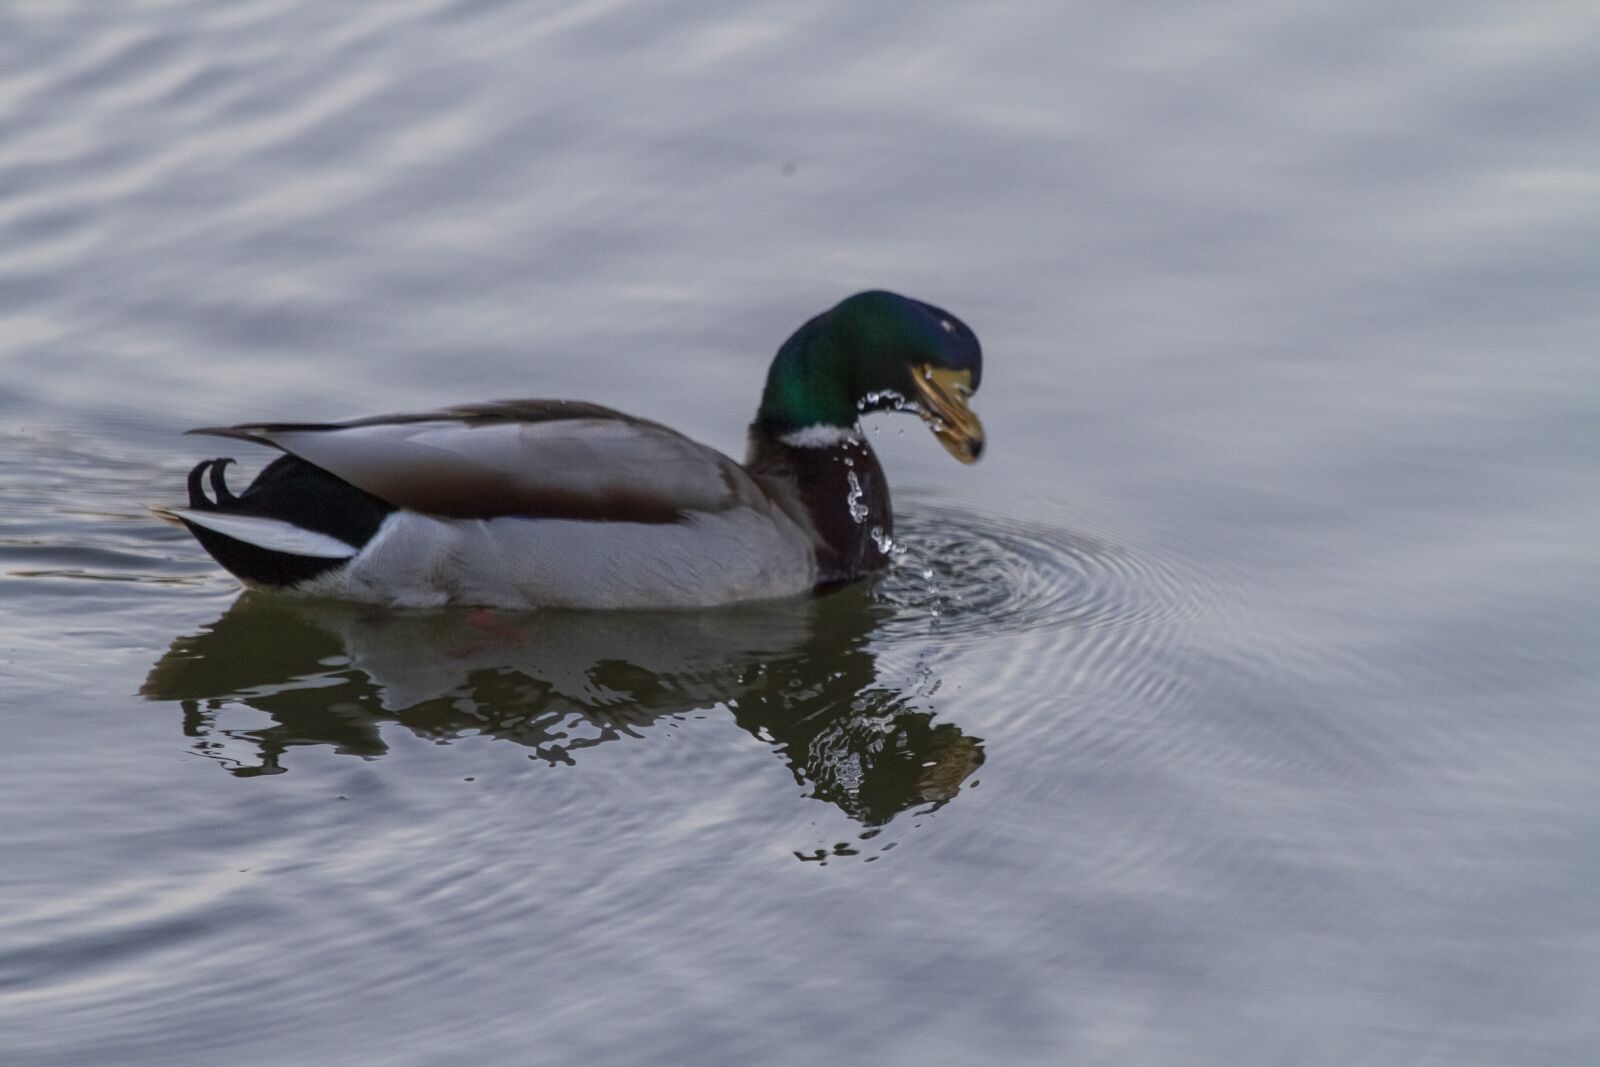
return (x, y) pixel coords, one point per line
(858, 510)
(886, 544)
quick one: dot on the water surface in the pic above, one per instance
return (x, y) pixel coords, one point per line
(1237, 708)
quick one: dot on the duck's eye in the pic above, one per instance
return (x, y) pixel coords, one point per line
(949, 327)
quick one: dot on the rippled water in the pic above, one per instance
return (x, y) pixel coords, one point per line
(1237, 708)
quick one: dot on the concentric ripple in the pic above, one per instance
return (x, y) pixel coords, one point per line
(972, 575)
(1072, 632)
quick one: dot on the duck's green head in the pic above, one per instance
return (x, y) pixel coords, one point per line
(875, 351)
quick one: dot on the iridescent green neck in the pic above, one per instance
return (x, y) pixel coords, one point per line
(811, 382)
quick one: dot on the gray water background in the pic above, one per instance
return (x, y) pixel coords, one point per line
(1239, 707)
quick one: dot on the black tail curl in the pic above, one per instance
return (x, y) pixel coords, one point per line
(288, 490)
(219, 485)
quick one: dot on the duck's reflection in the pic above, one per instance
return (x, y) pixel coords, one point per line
(798, 675)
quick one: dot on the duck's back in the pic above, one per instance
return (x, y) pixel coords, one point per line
(522, 503)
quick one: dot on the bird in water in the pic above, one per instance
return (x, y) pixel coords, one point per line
(558, 503)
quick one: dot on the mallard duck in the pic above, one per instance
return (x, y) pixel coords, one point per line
(531, 503)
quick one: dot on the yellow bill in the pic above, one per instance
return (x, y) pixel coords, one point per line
(941, 396)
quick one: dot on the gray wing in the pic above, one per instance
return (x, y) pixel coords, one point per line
(529, 458)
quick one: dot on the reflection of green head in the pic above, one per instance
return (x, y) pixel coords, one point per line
(867, 353)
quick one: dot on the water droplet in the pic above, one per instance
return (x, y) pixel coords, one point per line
(886, 544)
(886, 397)
(858, 510)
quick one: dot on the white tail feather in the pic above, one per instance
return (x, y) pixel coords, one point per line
(274, 535)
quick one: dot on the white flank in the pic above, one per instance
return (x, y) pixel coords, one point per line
(274, 535)
(820, 435)
(417, 561)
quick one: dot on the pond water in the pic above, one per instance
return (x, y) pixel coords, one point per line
(1239, 707)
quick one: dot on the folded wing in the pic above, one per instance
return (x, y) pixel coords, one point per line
(524, 458)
